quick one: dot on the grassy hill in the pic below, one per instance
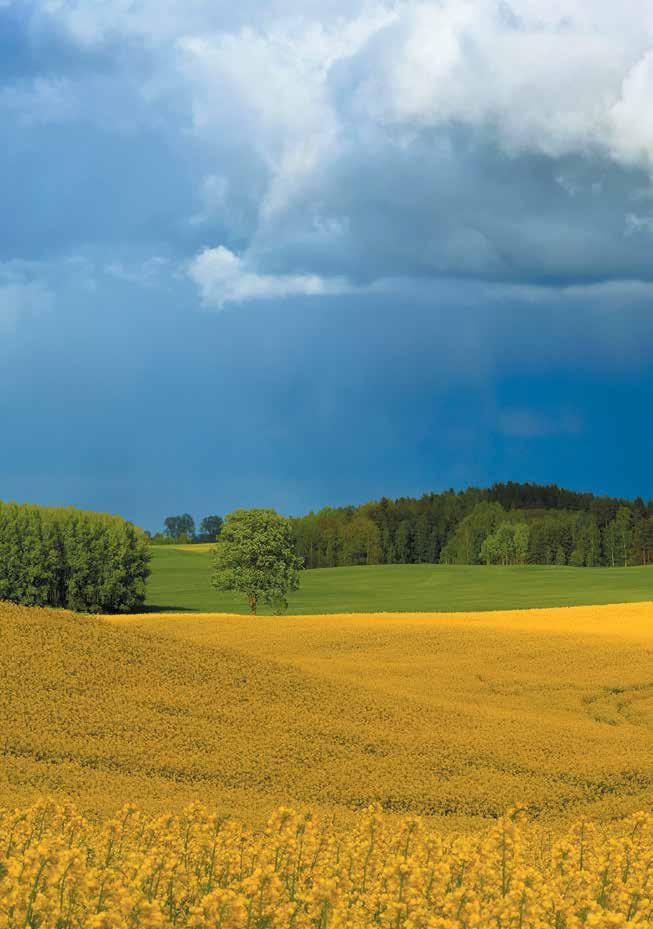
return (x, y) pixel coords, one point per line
(181, 581)
(453, 717)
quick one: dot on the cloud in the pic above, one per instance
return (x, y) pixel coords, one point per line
(537, 78)
(223, 277)
(464, 137)
(94, 22)
(422, 139)
(145, 273)
(604, 293)
(465, 185)
(90, 23)
(40, 101)
(279, 80)
(635, 223)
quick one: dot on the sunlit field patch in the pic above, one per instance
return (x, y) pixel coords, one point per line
(451, 717)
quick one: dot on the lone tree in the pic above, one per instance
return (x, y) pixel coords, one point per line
(255, 556)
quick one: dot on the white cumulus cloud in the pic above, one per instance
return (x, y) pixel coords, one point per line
(223, 277)
(495, 139)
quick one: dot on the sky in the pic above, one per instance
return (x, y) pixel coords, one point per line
(297, 254)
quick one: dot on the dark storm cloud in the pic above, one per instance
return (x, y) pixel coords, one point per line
(251, 256)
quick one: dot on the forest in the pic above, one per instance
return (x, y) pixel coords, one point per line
(508, 523)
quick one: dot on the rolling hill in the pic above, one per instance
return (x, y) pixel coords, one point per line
(181, 581)
(452, 716)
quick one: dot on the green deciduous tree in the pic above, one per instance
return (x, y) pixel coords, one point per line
(210, 528)
(624, 532)
(618, 538)
(490, 550)
(179, 527)
(464, 546)
(644, 541)
(404, 542)
(88, 562)
(522, 536)
(593, 544)
(508, 544)
(361, 542)
(255, 556)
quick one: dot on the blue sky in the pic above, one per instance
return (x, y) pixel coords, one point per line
(297, 254)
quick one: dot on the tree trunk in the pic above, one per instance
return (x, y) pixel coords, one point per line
(252, 605)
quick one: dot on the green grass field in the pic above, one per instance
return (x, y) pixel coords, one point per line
(181, 581)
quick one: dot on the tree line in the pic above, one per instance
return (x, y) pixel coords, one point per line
(508, 523)
(87, 562)
(180, 530)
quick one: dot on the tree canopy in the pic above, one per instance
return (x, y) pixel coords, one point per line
(255, 556)
(88, 562)
(210, 529)
(179, 528)
(563, 527)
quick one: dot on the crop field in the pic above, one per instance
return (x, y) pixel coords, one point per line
(196, 870)
(455, 717)
(181, 581)
(327, 771)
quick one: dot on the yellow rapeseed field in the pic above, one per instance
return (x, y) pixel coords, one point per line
(454, 717)
(143, 756)
(197, 870)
